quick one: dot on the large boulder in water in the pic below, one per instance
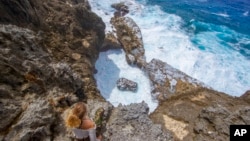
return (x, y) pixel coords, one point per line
(126, 85)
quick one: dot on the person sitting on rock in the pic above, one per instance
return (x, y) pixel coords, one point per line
(82, 126)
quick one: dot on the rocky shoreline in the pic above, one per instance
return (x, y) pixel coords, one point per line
(48, 51)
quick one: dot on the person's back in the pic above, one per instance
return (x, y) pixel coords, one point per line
(82, 126)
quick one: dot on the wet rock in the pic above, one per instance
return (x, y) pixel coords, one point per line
(126, 85)
(132, 123)
(121, 9)
(129, 35)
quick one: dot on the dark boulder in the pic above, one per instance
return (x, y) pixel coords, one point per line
(121, 8)
(126, 85)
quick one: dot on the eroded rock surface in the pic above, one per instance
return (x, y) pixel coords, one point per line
(246, 96)
(47, 54)
(132, 123)
(126, 85)
(34, 124)
(167, 80)
(129, 35)
(201, 114)
(110, 42)
(121, 9)
(191, 110)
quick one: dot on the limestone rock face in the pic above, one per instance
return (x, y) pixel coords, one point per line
(201, 114)
(110, 42)
(121, 9)
(220, 117)
(10, 110)
(34, 123)
(191, 110)
(129, 35)
(246, 96)
(126, 85)
(47, 54)
(167, 80)
(132, 123)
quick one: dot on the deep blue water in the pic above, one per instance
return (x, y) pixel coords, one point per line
(211, 15)
(231, 13)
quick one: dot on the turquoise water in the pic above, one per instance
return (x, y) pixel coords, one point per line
(220, 30)
(207, 39)
(231, 13)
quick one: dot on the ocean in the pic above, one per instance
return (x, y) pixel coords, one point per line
(207, 39)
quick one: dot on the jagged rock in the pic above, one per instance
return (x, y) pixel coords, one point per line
(246, 96)
(9, 112)
(167, 80)
(47, 54)
(201, 114)
(121, 8)
(30, 67)
(132, 123)
(220, 118)
(110, 42)
(34, 124)
(129, 35)
(126, 85)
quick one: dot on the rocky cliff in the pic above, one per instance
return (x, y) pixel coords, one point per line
(189, 109)
(47, 54)
(48, 51)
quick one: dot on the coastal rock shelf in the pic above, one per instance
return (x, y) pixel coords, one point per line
(54, 53)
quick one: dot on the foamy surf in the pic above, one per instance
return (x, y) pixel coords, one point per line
(204, 55)
(111, 66)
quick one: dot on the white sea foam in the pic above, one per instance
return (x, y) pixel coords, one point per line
(222, 14)
(246, 13)
(111, 66)
(218, 65)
